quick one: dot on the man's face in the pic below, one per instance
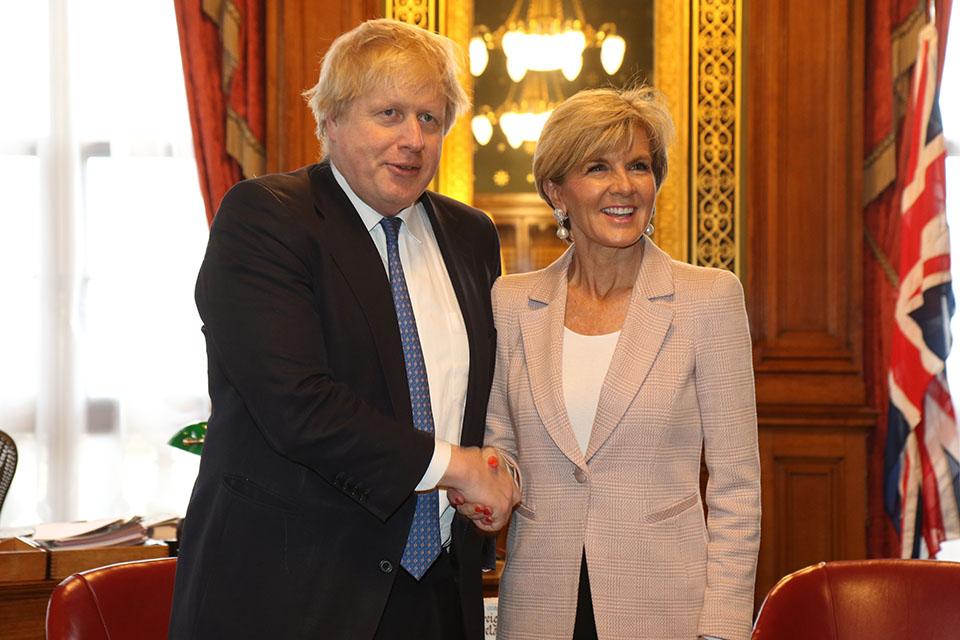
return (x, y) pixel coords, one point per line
(387, 145)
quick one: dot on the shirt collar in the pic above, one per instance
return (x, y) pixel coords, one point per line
(412, 216)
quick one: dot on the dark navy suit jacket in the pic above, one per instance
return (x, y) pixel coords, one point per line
(305, 495)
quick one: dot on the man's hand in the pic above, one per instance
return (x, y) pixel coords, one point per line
(481, 487)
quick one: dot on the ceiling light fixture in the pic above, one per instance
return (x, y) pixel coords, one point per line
(538, 36)
(543, 38)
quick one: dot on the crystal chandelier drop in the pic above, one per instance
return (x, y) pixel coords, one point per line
(522, 115)
(540, 36)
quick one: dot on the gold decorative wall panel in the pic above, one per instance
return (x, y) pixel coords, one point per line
(455, 177)
(714, 193)
(422, 13)
(671, 75)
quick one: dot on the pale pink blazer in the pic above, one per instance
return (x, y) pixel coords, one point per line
(681, 379)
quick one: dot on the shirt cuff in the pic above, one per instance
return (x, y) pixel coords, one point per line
(442, 452)
(514, 469)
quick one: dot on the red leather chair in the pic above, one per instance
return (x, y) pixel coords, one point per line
(864, 600)
(126, 600)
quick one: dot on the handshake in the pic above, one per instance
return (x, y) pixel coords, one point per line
(483, 485)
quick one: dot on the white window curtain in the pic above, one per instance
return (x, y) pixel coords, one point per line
(950, 114)
(103, 231)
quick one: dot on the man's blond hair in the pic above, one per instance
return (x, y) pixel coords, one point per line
(382, 55)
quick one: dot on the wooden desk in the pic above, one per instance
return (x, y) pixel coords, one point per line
(23, 608)
(23, 604)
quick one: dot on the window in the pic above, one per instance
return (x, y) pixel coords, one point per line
(950, 113)
(103, 233)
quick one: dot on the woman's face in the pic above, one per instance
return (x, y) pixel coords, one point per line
(609, 198)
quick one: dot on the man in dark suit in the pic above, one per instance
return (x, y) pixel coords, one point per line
(350, 344)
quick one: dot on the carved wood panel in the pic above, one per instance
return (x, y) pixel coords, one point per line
(814, 497)
(803, 277)
(803, 184)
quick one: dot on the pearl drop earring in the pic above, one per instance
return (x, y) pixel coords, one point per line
(562, 232)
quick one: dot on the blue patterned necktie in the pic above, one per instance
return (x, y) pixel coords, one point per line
(423, 541)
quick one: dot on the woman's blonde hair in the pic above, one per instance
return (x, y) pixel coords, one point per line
(381, 55)
(596, 121)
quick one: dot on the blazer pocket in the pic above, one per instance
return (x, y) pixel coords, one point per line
(672, 510)
(526, 511)
(251, 491)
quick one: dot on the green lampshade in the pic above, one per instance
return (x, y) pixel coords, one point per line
(190, 438)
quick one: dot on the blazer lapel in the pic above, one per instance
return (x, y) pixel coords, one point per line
(460, 262)
(541, 329)
(641, 337)
(348, 242)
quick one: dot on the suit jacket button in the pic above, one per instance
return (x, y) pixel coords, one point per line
(580, 475)
(386, 566)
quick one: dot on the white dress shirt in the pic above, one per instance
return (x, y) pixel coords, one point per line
(443, 336)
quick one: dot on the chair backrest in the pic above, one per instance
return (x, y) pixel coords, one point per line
(8, 464)
(119, 601)
(864, 599)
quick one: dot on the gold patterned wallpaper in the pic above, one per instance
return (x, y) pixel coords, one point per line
(715, 136)
(422, 13)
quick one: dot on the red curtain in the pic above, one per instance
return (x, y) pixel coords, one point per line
(891, 41)
(222, 46)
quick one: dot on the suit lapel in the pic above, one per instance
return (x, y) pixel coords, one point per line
(458, 257)
(348, 242)
(641, 337)
(541, 329)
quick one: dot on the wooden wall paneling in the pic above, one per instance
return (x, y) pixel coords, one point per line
(802, 158)
(814, 492)
(802, 178)
(298, 34)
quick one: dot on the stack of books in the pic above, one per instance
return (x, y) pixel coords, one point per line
(91, 533)
(163, 527)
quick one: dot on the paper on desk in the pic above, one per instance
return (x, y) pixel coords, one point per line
(13, 532)
(64, 530)
(160, 519)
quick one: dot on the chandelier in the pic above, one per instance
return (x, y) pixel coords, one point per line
(522, 115)
(539, 36)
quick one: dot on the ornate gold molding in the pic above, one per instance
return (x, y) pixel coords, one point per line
(716, 228)
(455, 177)
(671, 75)
(422, 13)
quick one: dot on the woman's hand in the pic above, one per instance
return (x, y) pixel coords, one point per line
(483, 516)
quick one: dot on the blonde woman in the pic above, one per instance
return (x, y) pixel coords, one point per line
(616, 367)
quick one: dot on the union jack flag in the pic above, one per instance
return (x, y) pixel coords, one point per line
(922, 473)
